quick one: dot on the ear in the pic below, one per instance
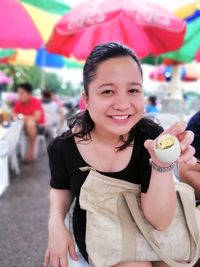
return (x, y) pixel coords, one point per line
(85, 98)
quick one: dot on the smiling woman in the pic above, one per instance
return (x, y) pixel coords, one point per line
(112, 137)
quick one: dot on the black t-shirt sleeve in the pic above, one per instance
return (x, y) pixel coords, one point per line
(152, 131)
(58, 164)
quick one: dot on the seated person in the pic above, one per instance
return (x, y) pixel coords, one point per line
(33, 113)
(191, 174)
(51, 110)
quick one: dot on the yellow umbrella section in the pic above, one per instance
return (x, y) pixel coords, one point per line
(187, 10)
(45, 22)
(23, 57)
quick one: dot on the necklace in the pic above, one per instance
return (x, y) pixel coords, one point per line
(98, 157)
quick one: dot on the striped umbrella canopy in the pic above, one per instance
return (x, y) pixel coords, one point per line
(187, 52)
(42, 59)
(45, 14)
(17, 27)
(58, 7)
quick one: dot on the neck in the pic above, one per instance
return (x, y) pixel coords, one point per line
(106, 138)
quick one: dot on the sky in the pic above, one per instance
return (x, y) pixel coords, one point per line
(168, 4)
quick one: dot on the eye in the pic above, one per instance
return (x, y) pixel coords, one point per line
(134, 91)
(107, 92)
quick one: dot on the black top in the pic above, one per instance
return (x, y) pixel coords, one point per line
(65, 161)
(194, 125)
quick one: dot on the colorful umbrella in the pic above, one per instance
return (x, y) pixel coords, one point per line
(17, 28)
(53, 6)
(189, 72)
(42, 59)
(6, 53)
(145, 27)
(45, 21)
(187, 52)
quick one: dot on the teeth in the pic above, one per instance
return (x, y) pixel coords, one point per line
(120, 117)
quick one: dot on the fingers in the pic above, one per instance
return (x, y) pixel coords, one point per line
(149, 145)
(72, 252)
(186, 139)
(188, 156)
(54, 260)
(176, 128)
(64, 262)
(47, 258)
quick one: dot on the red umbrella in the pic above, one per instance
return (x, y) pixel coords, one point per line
(145, 27)
(17, 28)
(197, 56)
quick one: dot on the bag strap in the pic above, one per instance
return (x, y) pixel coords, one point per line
(132, 204)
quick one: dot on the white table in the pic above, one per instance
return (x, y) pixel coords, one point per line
(3, 132)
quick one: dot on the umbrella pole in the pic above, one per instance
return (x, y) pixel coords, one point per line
(174, 103)
(174, 88)
(42, 83)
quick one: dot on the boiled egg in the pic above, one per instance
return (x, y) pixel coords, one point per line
(167, 148)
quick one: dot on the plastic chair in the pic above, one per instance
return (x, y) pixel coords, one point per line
(13, 137)
(40, 144)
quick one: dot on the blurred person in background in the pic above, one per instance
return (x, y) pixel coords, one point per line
(151, 105)
(52, 112)
(31, 108)
(191, 174)
(59, 103)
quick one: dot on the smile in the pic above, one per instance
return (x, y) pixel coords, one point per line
(120, 117)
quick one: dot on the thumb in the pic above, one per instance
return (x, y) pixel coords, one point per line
(149, 145)
(72, 252)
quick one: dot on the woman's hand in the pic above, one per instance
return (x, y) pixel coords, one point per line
(185, 138)
(59, 245)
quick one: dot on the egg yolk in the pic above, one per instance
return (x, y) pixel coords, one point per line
(166, 142)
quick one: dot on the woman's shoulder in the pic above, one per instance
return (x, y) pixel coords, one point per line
(64, 142)
(148, 128)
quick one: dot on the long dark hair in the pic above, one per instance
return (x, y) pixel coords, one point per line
(99, 54)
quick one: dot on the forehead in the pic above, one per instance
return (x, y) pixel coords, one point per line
(22, 90)
(124, 65)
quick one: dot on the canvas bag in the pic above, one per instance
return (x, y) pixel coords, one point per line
(117, 232)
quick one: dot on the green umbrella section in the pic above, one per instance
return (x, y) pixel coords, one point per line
(73, 63)
(53, 6)
(191, 44)
(6, 53)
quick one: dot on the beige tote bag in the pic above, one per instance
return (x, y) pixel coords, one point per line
(117, 232)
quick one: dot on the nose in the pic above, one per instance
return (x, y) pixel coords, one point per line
(122, 103)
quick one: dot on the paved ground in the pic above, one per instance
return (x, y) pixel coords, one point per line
(24, 216)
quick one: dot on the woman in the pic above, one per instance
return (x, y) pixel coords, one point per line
(113, 137)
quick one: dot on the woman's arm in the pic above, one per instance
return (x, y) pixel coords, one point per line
(60, 201)
(159, 203)
(60, 239)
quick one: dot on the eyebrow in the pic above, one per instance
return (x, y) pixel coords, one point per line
(111, 84)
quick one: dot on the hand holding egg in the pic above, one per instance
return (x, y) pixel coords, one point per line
(172, 145)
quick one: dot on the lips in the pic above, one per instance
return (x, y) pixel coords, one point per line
(120, 117)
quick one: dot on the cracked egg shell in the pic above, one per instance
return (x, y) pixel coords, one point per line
(167, 148)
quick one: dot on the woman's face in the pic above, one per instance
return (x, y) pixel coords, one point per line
(115, 96)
